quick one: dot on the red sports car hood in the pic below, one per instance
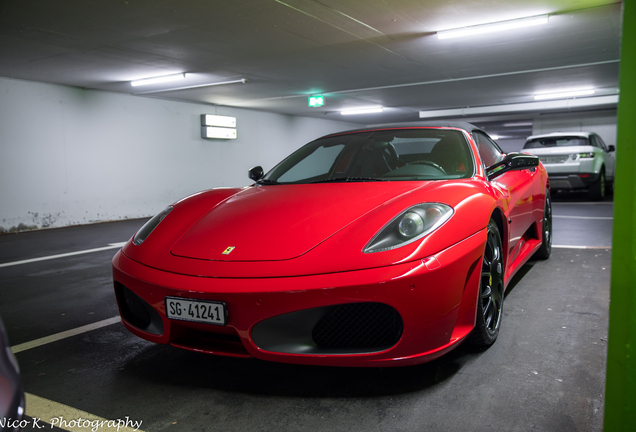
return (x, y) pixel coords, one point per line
(271, 223)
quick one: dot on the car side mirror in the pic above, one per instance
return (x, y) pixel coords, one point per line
(611, 148)
(512, 161)
(256, 173)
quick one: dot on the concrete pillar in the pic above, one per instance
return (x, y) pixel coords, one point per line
(620, 395)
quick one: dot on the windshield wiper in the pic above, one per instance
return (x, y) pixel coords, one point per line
(348, 179)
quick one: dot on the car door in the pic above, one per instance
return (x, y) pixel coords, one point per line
(519, 186)
(610, 158)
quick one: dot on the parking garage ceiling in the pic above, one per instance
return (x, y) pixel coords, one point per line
(357, 53)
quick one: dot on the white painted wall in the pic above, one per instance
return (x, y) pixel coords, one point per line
(601, 122)
(511, 145)
(71, 156)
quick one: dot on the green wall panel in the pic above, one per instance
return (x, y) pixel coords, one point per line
(620, 398)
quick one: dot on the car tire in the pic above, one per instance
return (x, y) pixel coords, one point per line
(491, 291)
(546, 230)
(597, 190)
(609, 187)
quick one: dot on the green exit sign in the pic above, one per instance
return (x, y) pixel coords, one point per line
(316, 100)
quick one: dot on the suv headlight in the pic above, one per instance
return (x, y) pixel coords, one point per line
(149, 226)
(410, 225)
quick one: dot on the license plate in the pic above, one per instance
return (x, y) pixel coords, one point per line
(554, 159)
(203, 311)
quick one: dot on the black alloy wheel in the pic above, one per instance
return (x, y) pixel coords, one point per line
(546, 247)
(491, 291)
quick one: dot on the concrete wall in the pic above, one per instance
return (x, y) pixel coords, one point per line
(601, 122)
(511, 145)
(72, 156)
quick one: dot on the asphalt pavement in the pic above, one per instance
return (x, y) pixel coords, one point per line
(546, 372)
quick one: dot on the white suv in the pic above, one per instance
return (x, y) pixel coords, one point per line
(575, 160)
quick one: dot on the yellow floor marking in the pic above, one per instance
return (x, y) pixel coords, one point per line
(73, 420)
(65, 334)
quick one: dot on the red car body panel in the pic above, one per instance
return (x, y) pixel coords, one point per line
(299, 247)
(431, 314)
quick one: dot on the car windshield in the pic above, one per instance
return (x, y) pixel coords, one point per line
(562, 141)
(399, 154)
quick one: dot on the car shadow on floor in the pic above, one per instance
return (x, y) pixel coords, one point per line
(577, 196)
(252, 376)
(157, 363)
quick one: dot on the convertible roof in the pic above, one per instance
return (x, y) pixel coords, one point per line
(454, 124)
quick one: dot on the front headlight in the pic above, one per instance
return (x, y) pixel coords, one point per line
(149, 226)
(410, 225)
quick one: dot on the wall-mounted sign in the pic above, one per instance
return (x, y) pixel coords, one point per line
(316, 100)
(218, 127)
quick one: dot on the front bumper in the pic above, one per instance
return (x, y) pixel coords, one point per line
(426, 306)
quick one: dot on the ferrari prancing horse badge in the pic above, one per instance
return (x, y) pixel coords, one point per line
(228, 250)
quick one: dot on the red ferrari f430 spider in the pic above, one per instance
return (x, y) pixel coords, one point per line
(376, 247)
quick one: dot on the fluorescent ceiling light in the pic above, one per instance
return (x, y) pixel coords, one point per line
(157, 80)
(493, 27)
(517, 124)
(362, 111)
(542, 106)
(242, 80)
(564, 94)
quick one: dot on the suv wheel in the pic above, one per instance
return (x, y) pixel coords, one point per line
(597, 190)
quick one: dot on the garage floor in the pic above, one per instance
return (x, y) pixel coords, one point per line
(545, 373)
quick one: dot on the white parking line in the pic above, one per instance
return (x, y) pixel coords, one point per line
(63, 335)
(73, 420)
(580, 247)
(110, 246)
(583, 217)
(581, 203)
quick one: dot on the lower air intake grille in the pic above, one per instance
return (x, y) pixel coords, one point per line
(137, 312)
(359, 325)
(138, 315)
